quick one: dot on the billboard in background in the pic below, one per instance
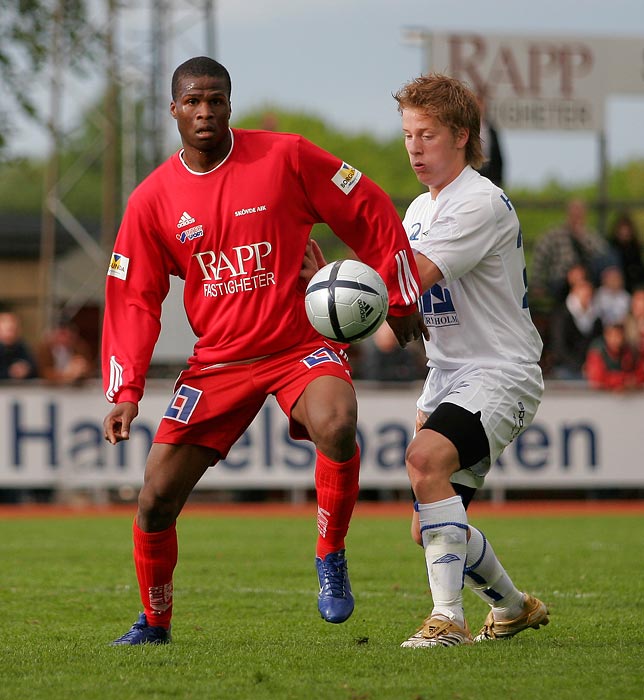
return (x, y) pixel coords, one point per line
(54, 438)
(541, 82)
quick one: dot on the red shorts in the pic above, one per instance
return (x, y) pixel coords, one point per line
(213, 406)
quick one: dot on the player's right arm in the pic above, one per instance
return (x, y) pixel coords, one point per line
(137, 283)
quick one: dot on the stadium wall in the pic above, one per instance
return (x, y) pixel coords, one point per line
(53, 438)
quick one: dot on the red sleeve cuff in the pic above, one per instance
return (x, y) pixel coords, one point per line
(130, 394)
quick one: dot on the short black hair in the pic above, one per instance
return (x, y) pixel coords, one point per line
(197, 67)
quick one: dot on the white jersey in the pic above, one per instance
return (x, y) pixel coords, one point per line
(478, 313)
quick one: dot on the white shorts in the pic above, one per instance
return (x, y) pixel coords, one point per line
(507, 396)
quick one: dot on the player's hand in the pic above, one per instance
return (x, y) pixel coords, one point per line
(116, 425)
(408, 328)
(312, 262)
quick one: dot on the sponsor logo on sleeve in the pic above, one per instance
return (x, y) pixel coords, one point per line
(118, 266)
(346, 178)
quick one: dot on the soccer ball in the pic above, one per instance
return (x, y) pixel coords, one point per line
(346, 301)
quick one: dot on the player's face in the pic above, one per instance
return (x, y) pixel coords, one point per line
(202, 110)
(436, 155)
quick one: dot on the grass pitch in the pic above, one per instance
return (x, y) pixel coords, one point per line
(246, 625)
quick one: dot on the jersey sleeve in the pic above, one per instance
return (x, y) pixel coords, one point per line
(458, 242)
(138, 280)
(363, 216)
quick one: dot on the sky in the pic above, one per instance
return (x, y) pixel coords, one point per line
(342, 59)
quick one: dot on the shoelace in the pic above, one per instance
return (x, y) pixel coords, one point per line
(133, 630)
(334, 579)
(488, 632)
(429, 631)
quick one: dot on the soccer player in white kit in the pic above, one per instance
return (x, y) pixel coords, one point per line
(484, 383)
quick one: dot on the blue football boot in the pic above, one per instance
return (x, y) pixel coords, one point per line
(143, 633)
(335, 601)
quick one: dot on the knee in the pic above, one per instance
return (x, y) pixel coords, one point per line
(418, 461)
(428, 460)
(335, 434)
(156, 512)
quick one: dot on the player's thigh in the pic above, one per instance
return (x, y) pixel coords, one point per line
(173, 470)
(460, 428)
(431, 453)
(327, 404)
(313, 387)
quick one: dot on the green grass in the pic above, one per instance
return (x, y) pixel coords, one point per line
(246, 625)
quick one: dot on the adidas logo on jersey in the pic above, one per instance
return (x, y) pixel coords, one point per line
(185, 220)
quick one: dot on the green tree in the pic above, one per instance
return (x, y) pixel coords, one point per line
(26, 47)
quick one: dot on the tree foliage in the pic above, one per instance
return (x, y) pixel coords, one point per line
(26, 47)
(383, 160)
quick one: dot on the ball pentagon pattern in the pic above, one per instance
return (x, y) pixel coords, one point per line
(346, 301)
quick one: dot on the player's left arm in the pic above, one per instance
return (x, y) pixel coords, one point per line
(363, 216)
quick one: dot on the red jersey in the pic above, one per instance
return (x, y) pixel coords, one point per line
(237, 236)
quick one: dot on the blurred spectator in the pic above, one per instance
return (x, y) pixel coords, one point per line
(611, 364)
(16, 359)
(613, 301)
(627, 248)
(382, 359)
(64, 357)
(575, 324)
(492, 167)
(573, 244)
(634, 323)
(577, 273)
(543, 321)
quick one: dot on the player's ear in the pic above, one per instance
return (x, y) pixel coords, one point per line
(173, 109)
(462, 137)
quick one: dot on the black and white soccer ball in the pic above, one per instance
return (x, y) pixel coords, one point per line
(346, 301)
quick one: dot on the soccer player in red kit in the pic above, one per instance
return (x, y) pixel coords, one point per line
(231, 214)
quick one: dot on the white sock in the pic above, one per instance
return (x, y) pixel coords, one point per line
(443, 527)
(488, 579)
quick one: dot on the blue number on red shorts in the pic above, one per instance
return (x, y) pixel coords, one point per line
(320, 356)
(183, 404)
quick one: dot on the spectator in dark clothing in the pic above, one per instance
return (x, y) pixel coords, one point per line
(627, 248)
(559, 250)
(492, 167)
(16, 360)
(575, 324)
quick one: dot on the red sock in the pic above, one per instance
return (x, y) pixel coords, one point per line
(155, 556)
(337, 492)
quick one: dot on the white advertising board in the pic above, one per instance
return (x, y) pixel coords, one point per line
(542, 82)
(54, 438)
